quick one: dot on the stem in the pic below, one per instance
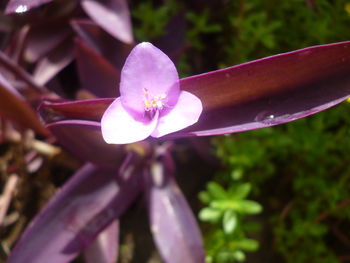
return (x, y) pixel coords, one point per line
(326, 213)
(7, 196)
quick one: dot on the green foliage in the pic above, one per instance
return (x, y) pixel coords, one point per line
(298, 170)
(200, 25)
(306, 162)
(151, 20)
(259, 28)
(226, 209)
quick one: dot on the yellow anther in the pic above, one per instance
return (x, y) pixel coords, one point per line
(153, 103)
(147, 105)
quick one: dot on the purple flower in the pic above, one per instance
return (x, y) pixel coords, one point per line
(151, 102)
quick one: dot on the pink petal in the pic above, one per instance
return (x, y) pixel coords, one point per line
(149, 68)
(185, 113)
(119, 127)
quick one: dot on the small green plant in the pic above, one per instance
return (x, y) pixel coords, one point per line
(151, 20)
(227, 209)
(200, 25)
(301, 171)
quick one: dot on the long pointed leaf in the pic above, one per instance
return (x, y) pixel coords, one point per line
(113, 16)
(15, 108)
(272, 90)
(268, 91)
(90, 110)
(105, 247)
(113, 50)
(90, 201)
(20, 6)
(44, 38)
(96, 74)
(84, 140)
(173, 224)
(54, 62)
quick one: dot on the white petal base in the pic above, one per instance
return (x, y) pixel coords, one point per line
(185, 113)
(119, 127)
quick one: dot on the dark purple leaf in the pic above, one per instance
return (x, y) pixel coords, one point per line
(49, 10)
(96, 74)
(54, 62)
(270, 91)
(90, 110)
(104, 249)
(102, 42)
(15, 108)
(21, 6)
(173, 224)
(266, 92)
(20, 73)
(113, 16)
(84, 140)
(15, 47)
(44, 38)
(87, 203)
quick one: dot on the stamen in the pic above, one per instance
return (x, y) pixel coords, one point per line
(153, 103)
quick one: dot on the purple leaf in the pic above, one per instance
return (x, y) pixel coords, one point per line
(84, 140)
(270, 91)
(96, 74)
(102, 42)
(87, 203)
(104, 249)
(15, 108)
(113, 16)
(90, 110)
(20, 73)
(173, 224)
(44, 38)
(21, 6)
(54, 62)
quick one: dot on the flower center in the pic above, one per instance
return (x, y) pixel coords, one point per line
(153, 102)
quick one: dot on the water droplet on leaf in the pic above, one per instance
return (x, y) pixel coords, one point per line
(265, 117)
(21, 9)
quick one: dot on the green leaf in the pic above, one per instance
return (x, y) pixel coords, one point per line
(240, 191)
(208, 214)
(239, 255)
(248, 207)
(204, 197)
(229, 221)
(240, 206)
(248, 244)
(216, 191)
